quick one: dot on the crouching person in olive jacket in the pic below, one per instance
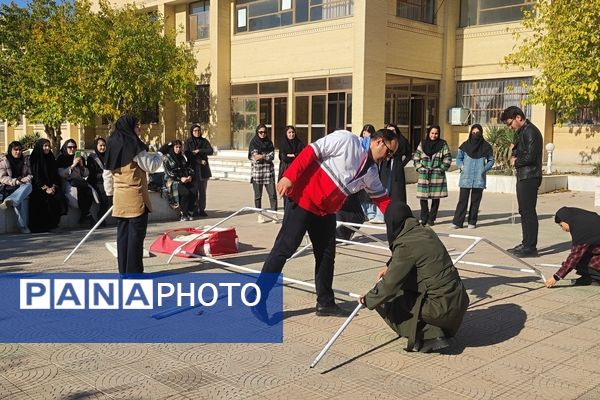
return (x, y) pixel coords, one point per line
(419, 295)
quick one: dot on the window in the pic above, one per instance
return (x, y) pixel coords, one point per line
(483, 12)
(254, 103)
(322, 106)
(418, 10)
(199, 105)
(586, 115)
(199, 20)
(487, 99)
(254, 15)
(150, 115)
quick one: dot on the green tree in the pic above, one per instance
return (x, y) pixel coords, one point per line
(562, 41)
(67, 63)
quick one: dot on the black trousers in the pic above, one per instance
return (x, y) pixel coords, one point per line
(85, 198)
(461, 206)
(429, 215)
(527, 200)
(187, 197)
(270, 187)
(200, 193)
(321, 230)
(131, 233)
(105, 201)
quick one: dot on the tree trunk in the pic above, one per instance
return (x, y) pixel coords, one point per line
(54, 136)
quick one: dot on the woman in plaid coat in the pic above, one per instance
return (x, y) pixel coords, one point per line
(432, 159)
(261, 153)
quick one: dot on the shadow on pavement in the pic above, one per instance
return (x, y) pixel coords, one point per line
(487, 327)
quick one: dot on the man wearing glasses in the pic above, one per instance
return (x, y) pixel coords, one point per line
(527, 160)
(317, 183)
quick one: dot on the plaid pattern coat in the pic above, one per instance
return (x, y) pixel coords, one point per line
(432, 172)
(263, 171)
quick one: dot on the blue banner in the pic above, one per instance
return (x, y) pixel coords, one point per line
(145, 308)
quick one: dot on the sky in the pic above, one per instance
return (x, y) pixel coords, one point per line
(21, 3)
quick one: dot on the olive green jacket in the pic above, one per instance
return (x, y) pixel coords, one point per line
(422, 271)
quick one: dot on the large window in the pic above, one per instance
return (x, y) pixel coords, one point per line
(254, 103)
(199, 20)
(418, 10)
(254, 15)
(322, 105)
(483, 12)
(487, 99)
(198, 110)
(412, 104)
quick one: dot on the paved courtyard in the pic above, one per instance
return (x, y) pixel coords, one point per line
(519, 340)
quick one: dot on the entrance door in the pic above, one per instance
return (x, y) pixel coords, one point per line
(417, 123)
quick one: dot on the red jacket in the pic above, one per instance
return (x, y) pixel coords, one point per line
(329, 170)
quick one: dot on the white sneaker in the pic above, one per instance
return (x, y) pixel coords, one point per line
(261, 219)
(471, 226)
(377, 221)
(5, 204)
(454, 226)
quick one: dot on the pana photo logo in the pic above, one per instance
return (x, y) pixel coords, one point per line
(133, 294)
(149, 308)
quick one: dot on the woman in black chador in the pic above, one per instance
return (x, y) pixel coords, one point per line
(179, 180)
(46, 203)
(197, 150)
(289, 147)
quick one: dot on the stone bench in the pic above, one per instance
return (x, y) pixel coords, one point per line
(161, 212)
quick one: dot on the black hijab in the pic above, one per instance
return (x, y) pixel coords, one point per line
(395, 216)
(263, 145)
(16, 164)
(195, 143)
(179, 158)
(287, 146)
(43, 166)
(584, 226)
(65, 160)
(101, 156)
(476, 146)
(430, 147)
(123, 145)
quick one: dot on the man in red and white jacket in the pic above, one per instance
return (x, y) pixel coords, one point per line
(317, 184)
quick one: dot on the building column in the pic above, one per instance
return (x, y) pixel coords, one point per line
(368, 76)
(448, 82)
(220, 73)
(168, 111)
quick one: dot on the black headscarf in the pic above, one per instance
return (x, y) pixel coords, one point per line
(476, 146)
(101, 156)
(194, 142)
(16, 164)
(43, 166)
(395, 216)
(287, 146)
(430, 147)
(584, 226)
(264, 146)
(179, 158)
(65, 160)
(123, 145)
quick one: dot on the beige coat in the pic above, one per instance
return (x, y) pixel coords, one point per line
(130, 191)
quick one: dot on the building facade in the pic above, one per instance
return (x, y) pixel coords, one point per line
(322, 65)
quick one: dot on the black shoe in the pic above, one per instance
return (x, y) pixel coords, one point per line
(331, 311)
(431, 223)
(202, 214)
(436, 344)
(584, 281)
(526, 252)
(260, 312)
(518, 247)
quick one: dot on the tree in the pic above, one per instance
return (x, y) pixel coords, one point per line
(564, 46)
(67, 63)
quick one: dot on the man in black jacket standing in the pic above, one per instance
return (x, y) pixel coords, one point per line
(527, 159)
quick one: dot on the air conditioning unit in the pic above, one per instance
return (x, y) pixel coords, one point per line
(458, 116)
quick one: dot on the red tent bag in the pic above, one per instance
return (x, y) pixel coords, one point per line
(215, 242)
